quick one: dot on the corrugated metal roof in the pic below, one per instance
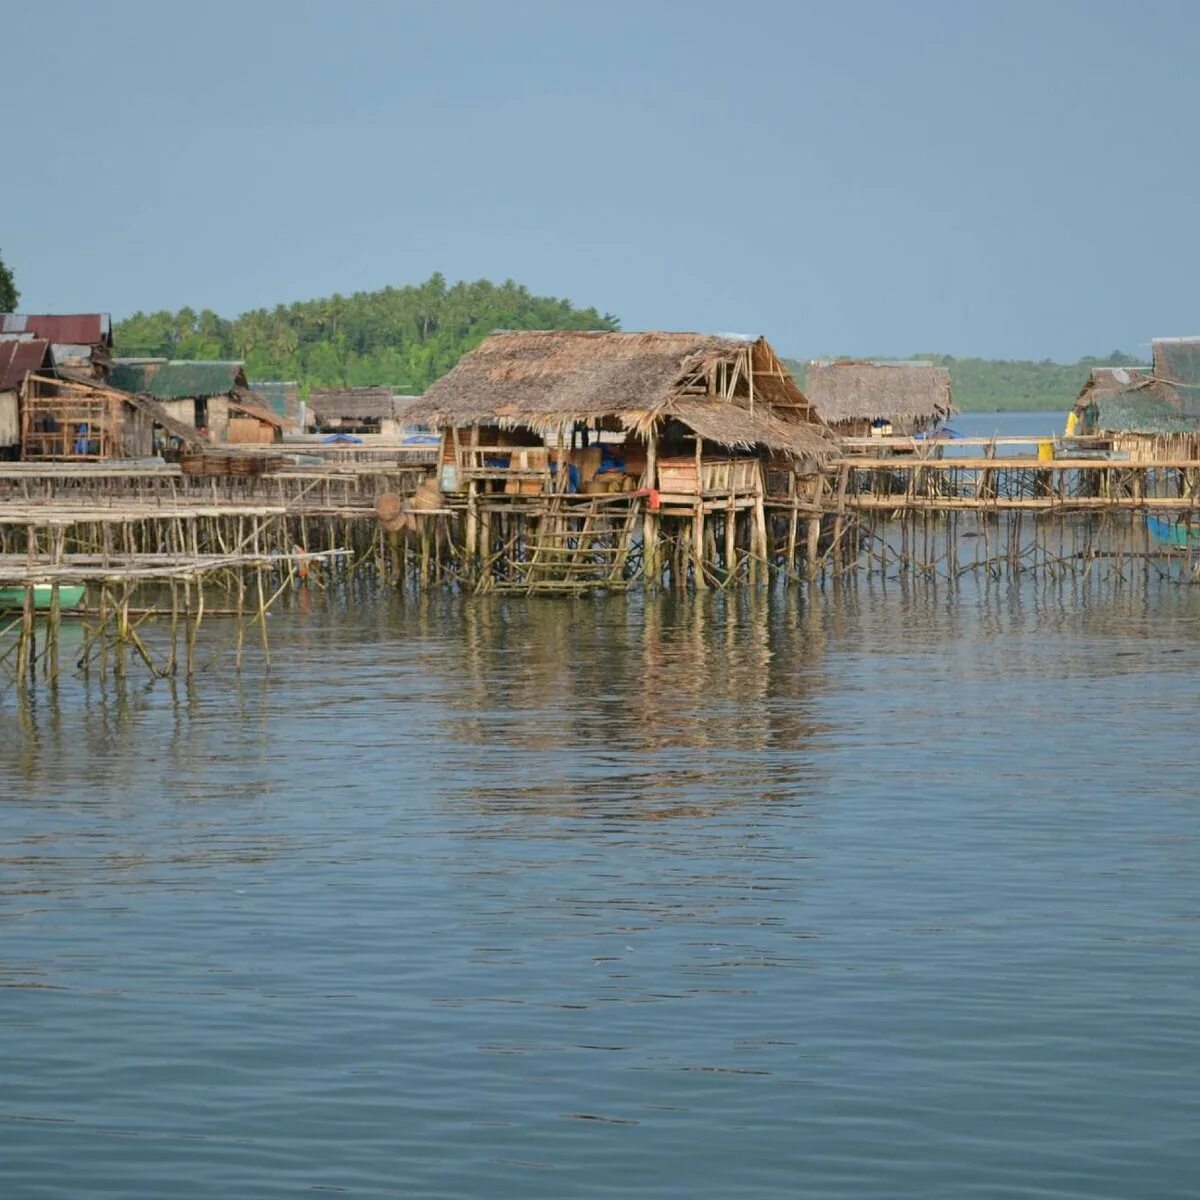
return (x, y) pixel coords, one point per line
(74, 329)
(179, 379)
(18, 357)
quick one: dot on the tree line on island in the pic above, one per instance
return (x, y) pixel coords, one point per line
(403, 338)
(1008, 385)
(407, 337)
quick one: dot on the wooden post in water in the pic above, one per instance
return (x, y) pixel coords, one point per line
(698, 519)
(651, 568)
(730, 540)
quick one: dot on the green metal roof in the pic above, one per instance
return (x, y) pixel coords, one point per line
(178, 380)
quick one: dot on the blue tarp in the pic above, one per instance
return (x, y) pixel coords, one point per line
(610, 460)
(573, 478)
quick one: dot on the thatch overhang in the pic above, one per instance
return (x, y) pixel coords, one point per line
(869, 391)
(739, 429)
(731, 391)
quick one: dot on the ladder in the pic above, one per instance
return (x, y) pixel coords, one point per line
(580, 543)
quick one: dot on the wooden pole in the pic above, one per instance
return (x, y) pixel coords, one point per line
(651, 570)
(698, 520)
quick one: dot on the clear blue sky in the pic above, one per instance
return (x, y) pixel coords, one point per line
(1011, 179)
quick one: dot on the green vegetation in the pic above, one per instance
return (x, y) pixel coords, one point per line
(407, 337)
(403, 338)
(1002, 385)
(9, 296)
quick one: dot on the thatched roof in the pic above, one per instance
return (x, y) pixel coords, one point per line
(1109, 379)
(1150, 407)
(739, 429)
(1156, 401)
(548, 380)
(857, 391)
(1177, 360)
(355, 404)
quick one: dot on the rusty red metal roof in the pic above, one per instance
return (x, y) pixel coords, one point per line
(19, 357)
(76, 329)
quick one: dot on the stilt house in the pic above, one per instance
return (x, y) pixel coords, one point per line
(684, 414)
(865, 399)
(591, 459)
(1148, 415)
(357, 411)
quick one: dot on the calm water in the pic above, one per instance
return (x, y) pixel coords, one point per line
(1010, 424)
(886, 893)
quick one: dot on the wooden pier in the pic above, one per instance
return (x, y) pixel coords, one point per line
(158, 548)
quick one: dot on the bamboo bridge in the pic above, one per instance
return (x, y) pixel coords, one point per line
(153, 545)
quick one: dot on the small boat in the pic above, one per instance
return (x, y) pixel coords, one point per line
(70, 596)
(1177, 532)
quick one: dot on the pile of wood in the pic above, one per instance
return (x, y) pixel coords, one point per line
(222, 463)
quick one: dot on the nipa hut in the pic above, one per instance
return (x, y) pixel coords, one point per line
(693, 426)
(1148, 415)
(668, 410)
(362, 410)
(872, 399)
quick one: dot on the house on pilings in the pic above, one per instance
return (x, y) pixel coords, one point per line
(878, 399)
(1146, 415)
(355, 411)
(685, 427)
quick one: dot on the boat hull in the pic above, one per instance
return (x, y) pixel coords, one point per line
(1172, 533)
(70, 596)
